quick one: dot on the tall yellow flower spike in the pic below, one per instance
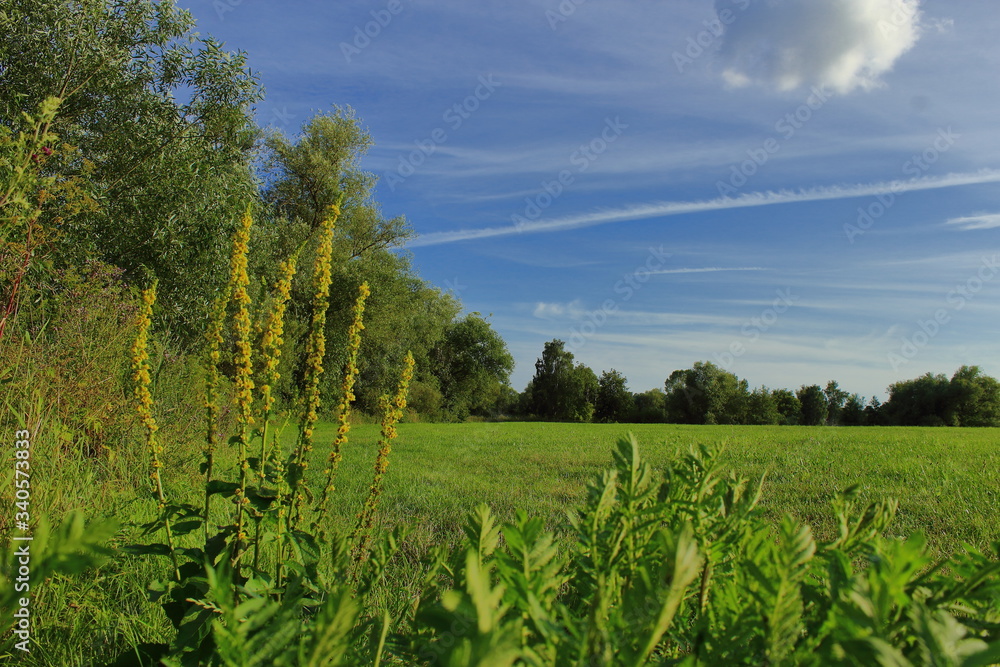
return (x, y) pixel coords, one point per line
(392, 412)
(271, 343)
(315, 352)
(244, 367)
(347, 396)
(144, 405)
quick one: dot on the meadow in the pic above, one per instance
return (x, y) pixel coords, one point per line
(947, 481)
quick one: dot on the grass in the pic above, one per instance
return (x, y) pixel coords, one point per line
(947, 480)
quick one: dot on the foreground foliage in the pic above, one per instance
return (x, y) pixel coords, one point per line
(679, 569)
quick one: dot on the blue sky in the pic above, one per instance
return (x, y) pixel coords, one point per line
(797, 190)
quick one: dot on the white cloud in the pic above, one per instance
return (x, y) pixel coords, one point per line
(749, 200)
(981, 221)
(710, 269)
(843, 44)
(549, 311)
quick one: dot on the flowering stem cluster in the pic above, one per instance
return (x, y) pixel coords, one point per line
(215, 340)
(244, 369)
(144, 403)
(315, 352)
(347, 398)
(392, 411)
(271, 344)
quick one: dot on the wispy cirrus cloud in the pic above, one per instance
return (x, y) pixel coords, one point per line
(748, 200)
(980, 221)
(709, 269)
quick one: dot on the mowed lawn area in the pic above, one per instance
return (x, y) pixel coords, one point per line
(947, 481)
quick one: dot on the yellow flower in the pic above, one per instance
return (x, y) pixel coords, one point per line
(392, 412)
(241, 359)
(315, 352)
(347, 391)
(140, 364)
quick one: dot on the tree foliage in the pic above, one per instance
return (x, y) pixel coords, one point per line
(970, 398)
(614, 400)
(705, 394)
(815, 407)
(157, 138)
(472, 365)
(561, 389)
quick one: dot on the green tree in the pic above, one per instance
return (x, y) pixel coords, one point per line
(614, 400)
(853, 413)
(976, 397)
(788, 405)
(561, 389)
(874, 413)
(835, 399)
(814, 405)
(305, 177)
(158, 139)
(472, 365)
(650, 407)
(925, 401)
(762, 408)
(706, 394)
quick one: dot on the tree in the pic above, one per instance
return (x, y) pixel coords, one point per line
(853, 413)
(614, 400)
(925, 401)
(473, 365)
(650, 407)
(835, 398)
(705, 394)
(304, 178)
(788, 406)
(814, 405)
(160, 129)
(762, 408)
(874, 413)
(976, 397)
(560, 389)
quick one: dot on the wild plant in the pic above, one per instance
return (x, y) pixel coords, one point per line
(216, 589)
(22, 194)
(680, 569)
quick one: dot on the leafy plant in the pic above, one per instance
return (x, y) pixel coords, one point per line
(681, 570)
(260, 589)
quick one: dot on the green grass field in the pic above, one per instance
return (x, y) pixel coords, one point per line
(946, 480)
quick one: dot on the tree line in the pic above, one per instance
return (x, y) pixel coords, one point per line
(565, 390)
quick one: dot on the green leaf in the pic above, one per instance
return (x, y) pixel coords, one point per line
(219, 487)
